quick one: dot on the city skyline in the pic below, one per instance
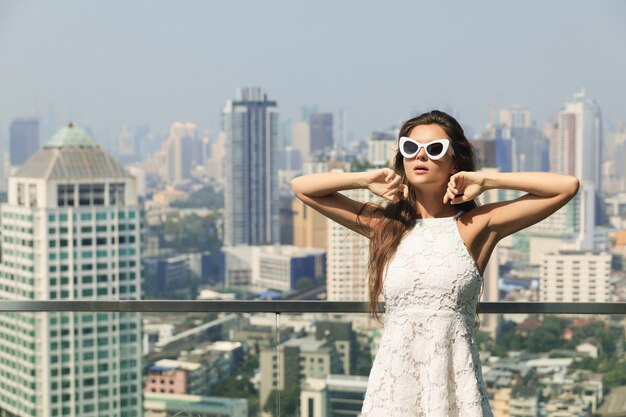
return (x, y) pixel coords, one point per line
(70, 62)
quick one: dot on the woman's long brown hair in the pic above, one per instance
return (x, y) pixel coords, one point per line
(397, 218)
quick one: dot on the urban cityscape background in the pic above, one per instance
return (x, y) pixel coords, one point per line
(147, 153)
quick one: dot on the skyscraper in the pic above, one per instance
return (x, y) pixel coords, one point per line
(579, 144)
(301, 133)
(250, 123)
(70, 231)
(348, 257)
(180, 152)
(515, 116)
(579, 139)
(381, 148)
(321, 131)
(24, 139)
(530, 150)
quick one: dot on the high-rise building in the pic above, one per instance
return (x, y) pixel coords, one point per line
(301, 133)
(530, 150)
(342, 129)
(520, 146)
(575, 276)
(381, 148)
(250, 123)
(215, 164)
(24, 139)
(348, 257)
(309, 226)
(579, 145)
(181, 153)
(70, 231)
(515, 116)
(579, 150)
(485, 151)
(321, 131)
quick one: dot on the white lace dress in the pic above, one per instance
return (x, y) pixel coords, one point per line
(427, 363)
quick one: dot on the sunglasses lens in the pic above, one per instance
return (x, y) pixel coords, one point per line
(435, 149)
(409, 148)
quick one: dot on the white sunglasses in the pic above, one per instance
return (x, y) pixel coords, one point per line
(435, 149)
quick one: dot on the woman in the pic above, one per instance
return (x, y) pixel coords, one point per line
(429, 245)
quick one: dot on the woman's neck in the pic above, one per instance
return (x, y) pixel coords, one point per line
(430, 209)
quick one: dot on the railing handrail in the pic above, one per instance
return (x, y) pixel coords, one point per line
(286, 306)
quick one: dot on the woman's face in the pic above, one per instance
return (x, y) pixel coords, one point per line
(420, 170)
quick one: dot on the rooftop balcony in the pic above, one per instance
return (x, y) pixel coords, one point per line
(284, 358)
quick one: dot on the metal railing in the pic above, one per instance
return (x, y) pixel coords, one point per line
(277, 306)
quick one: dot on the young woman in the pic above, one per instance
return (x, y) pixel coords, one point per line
(429, 245)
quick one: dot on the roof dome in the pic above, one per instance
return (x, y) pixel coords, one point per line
(70, 136)
(71, 155)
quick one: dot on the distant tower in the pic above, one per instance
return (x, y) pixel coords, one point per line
(342, 129)
(321, 131)
(348, 256)
(180, 151)
(251, 214)
(24, 140)
(515, 116)
(71, 231)
(579, 145)
(301, 133)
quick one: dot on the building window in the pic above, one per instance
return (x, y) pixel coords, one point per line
(98, 194)
(32, 195)
(116, 194)
(20, 194)
(91, 194)
(65, 195)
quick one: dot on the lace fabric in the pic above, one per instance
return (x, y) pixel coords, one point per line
(427, 362)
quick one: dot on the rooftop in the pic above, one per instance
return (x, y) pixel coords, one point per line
(71, 154)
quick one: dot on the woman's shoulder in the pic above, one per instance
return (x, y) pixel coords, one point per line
(476, 218)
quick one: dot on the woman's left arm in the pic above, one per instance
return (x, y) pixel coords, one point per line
(547, 192)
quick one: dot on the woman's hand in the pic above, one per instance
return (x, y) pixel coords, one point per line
(464, 186)
(386, 183)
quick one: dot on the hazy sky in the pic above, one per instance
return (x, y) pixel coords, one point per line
(113, 63)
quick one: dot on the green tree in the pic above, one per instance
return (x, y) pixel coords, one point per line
(239, 385)
(543, 339)
(189, 234)
(614, 373)
(205, 197)
(289, 401)
(358, 165)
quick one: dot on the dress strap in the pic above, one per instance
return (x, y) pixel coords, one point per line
(456, 216)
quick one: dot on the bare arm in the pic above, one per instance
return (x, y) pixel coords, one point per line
(321, 192)
(544, 184)
(326, 183)
(546, 193)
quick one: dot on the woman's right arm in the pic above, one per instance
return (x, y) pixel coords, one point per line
(321, 192)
